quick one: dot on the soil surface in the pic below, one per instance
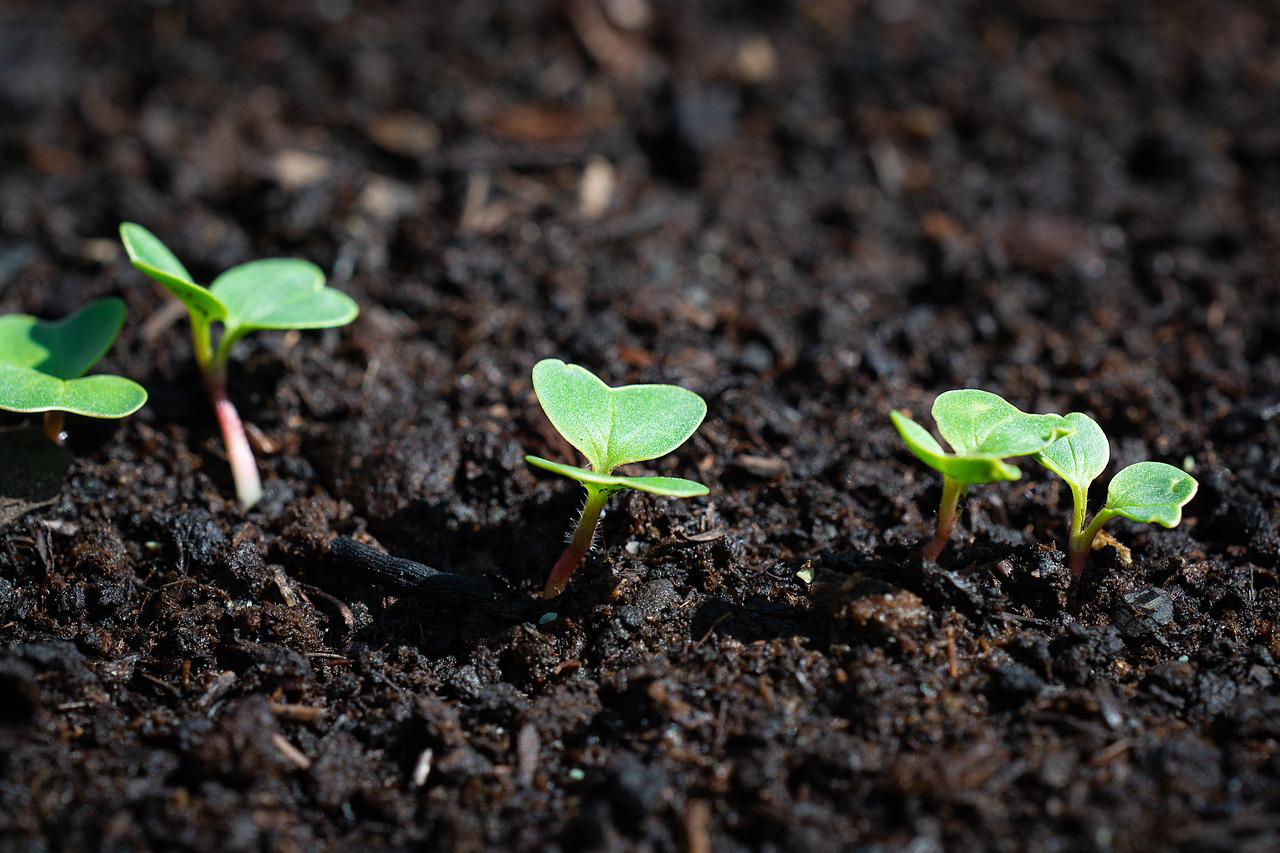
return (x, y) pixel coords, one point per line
(809, 216)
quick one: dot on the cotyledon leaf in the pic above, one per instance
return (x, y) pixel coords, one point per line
(153, 258)
(25, 389)
(1080, 457)
(671, 487)
(615, 426)
(965, 469)
(1150, 493)
(281, 293)
(979, 422)
(66, 348)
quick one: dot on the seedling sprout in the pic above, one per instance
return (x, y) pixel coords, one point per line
(983, 430)
(42, 366)
(1146, 492)
(275, 294)
(611, 427)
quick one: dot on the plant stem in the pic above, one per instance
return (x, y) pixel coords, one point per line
(951, 491)
(1082, 542)
(244, 470)
(583, 536)
(54, 423)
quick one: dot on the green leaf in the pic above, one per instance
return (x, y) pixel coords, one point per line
(1080, 457)
(965, 469)
(615, 426)
(25, 389)
(1150, 493)
(64, 348)
(671, 487)
(280, 293)
(153, 259)
(981, 423)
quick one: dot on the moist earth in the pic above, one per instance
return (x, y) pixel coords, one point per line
(809, 214)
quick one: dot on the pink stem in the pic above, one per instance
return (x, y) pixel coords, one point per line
(244, 470)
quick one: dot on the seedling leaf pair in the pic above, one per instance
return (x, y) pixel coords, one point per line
(42, 364)
(274, 294)
(1145, 492)
(983, 430)
(611, 427)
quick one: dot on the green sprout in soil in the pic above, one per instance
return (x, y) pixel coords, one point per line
(42, 366)
(274, 294)
(983, 430)
(1146, 492)
(611, 427)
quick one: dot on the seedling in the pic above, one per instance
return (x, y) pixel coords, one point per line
(611, 427)
(983, 430)
(42, 366)
(1146, 492)
(275, 294)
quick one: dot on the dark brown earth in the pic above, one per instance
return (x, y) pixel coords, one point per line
(808, 216)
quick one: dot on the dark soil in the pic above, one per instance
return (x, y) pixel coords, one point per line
(809, 216)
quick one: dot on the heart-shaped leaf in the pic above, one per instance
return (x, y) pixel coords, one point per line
(671, 487)
(280, 293)
(66, 348)
(615, 426)
(153, 258)
(964, 469)
(977, 422)
(24, 389)
(1080, 457)
(1150, 493)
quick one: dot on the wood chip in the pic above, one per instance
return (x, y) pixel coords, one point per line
(422, 769)
(291, 752)
(297, 713)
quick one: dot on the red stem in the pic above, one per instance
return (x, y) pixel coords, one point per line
(55, 427)
(579, 545)
(946, 519)
(244, 470)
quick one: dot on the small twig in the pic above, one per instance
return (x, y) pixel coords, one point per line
(407, 577)
(297, 713)
(294, 755)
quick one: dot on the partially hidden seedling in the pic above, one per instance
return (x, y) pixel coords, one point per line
(43, 365)
(611, 427)
(274, 294)
(983, 430)
(1145, 492)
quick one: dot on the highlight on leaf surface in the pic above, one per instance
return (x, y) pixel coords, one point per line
(611, 427)
(1146, 492)
(42, 364)
(983, 430)
(273, 294)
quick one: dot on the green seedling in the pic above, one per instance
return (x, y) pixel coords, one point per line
(1146, 492)
(275, 294)
(983, 430)
(611, 427)
(42, 366)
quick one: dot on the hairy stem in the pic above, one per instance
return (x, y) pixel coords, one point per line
(951, 491)
(583, 535)
(1082, 542)
(244, 470)
(55, 427)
